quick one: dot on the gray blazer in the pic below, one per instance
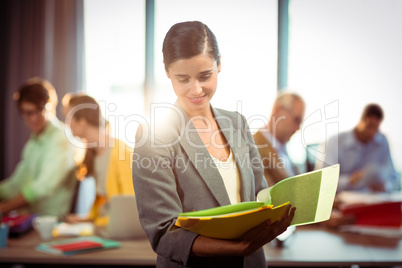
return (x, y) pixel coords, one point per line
(173, 173)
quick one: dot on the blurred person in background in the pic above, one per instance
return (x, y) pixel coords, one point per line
(42, 181)
(365, 161)
(363, 154)
(286, 116)
(107, 159)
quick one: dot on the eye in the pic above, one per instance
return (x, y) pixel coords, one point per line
(183, 80)
(205, 77)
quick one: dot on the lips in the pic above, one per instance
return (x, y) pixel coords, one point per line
(198, 99)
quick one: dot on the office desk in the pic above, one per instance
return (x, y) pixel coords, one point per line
(132, 252)
(309, 246)
(318, 246)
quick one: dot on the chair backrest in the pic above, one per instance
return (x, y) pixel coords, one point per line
(310, 156)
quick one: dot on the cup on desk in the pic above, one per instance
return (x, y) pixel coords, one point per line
(44, 225)
(3, 235)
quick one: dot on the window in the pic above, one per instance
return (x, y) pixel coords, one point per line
(115, 49)
(247, 36)
(114, 56)
(343, 55)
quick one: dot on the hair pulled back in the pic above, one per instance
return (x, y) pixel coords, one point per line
(86, 108)
(188, 39)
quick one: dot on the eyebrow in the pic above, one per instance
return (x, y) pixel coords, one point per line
(201, 73)
(205, 72)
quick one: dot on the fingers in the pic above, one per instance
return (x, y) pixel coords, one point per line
(270, 229)
(285, 220)
(288, 214)
(267, 231)
(291, 215)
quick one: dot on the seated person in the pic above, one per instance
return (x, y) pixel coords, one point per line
(286, 117)
(363, 154)
(107, 159)
(41, 183)
(365, 161)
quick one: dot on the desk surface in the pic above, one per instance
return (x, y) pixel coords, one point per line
(309, 246)
(314, 245)
(132, 252)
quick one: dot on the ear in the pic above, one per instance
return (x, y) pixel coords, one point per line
(220, 64)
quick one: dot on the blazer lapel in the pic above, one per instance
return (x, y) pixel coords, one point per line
(239, 148)
(202, 161)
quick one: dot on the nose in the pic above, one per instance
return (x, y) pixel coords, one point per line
(196, 88)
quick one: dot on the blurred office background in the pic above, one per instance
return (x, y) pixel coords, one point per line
(338, 55)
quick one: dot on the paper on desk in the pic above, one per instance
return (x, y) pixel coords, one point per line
(352, 197)
(76, 229)
(370, 230)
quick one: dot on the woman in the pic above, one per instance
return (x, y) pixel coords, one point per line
(107, 159)
(199, 157)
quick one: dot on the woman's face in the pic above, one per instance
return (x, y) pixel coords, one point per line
(75, 125)
(194, 81)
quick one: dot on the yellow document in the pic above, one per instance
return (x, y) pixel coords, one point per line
(311, 193)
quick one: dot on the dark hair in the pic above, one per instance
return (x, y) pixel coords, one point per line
(38, 91)
(188, 39)
(373, 110)
(89, 109)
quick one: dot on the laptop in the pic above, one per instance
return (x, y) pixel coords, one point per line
(124, 222)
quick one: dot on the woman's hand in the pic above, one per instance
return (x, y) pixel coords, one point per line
(251, 241)
(356, 177)
(265, 232)
(74, 218)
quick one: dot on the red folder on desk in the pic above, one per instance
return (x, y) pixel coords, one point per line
(77, 245)
(387, 214)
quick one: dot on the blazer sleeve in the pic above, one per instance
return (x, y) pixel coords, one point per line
(158, 201)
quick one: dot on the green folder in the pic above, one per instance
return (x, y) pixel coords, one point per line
(312, 194)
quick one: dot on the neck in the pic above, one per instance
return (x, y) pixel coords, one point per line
(359, 135)
(37, 133)
(272, 129)
(203, 119)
